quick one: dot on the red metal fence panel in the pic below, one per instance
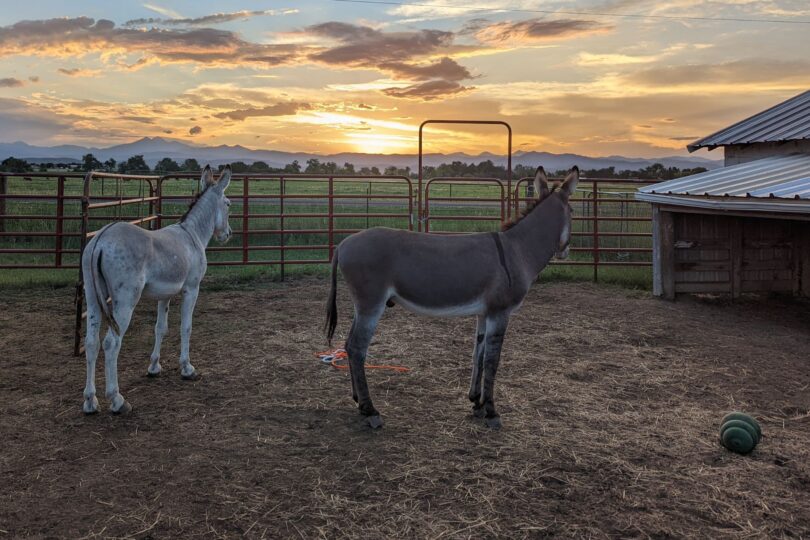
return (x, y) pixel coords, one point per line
(284, 220)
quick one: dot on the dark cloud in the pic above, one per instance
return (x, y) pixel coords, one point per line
(141, 119)
(446, 68)
(76, 36)
(215, 18)
(279, 109)
(532, 30)
(361, 46)
(428, 91)
(196, 130)
(10, 82)
(740, 71)
(77, 72)
(399, 54)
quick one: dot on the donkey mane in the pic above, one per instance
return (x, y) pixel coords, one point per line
(530, 206)
(194, 201)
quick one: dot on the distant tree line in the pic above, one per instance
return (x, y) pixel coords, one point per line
(484, 169)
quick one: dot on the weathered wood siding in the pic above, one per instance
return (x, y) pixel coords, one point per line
(728, 254)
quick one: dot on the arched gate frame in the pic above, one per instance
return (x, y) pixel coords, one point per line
(422, 207)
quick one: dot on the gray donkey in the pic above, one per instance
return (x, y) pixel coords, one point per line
(486, 275)
(124, 261)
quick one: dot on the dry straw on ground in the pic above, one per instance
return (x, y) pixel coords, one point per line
(610, 401)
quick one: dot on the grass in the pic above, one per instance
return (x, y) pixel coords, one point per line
(264, 246)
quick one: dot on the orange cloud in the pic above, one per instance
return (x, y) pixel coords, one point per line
(279, 109)
(81, 35)
(532, 30)
(736, 72)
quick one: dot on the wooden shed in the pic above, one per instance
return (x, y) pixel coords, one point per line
(744, 227)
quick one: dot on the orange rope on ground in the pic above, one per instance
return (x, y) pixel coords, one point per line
(335, 356)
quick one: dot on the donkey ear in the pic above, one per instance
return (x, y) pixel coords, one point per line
(207, 178)
(224, 179)
(570, 182)
(541, 183)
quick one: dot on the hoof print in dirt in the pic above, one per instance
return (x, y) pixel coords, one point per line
(123, 409)
(195, 376)
(374, 422)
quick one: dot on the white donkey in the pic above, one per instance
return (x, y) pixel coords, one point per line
(124, 261)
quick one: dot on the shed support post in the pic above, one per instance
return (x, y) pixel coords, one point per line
(803, 239)
(736, 254)
(663, 253)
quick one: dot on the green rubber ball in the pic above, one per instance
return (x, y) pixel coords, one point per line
(738, 439)
(743, 425)
(736, 415)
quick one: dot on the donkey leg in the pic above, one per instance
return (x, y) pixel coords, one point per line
(356, 347)
(160, 330)
(477, 364)
(346, 347)
(187, 371)
(112, 346)
(91, 348)
(496, 329)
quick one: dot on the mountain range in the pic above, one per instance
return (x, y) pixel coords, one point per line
(154, 149)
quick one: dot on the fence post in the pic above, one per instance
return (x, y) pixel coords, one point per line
(245, 211)
(331, 216)
(60, 213)
(152, 192)
(595, 232)
(159, 203)
(3, 189)
(282, 192)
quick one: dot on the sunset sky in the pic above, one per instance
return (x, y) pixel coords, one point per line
(330, 76)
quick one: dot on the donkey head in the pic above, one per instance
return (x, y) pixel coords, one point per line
(222, 228)
(564, 191)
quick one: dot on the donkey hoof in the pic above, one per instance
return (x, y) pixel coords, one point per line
(193, 376)
(90, 407)
(123, 409)
(494, 422)
(152, 375)
(478, 412)
(374, 422)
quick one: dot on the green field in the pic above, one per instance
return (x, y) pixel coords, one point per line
(263, 247)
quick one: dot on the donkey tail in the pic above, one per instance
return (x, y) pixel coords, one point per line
(331, 303)
(100, 288)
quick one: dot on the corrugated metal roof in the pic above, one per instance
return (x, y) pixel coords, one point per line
(773, 184)
(788, 121)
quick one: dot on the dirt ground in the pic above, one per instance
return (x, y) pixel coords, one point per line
(610, 401)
